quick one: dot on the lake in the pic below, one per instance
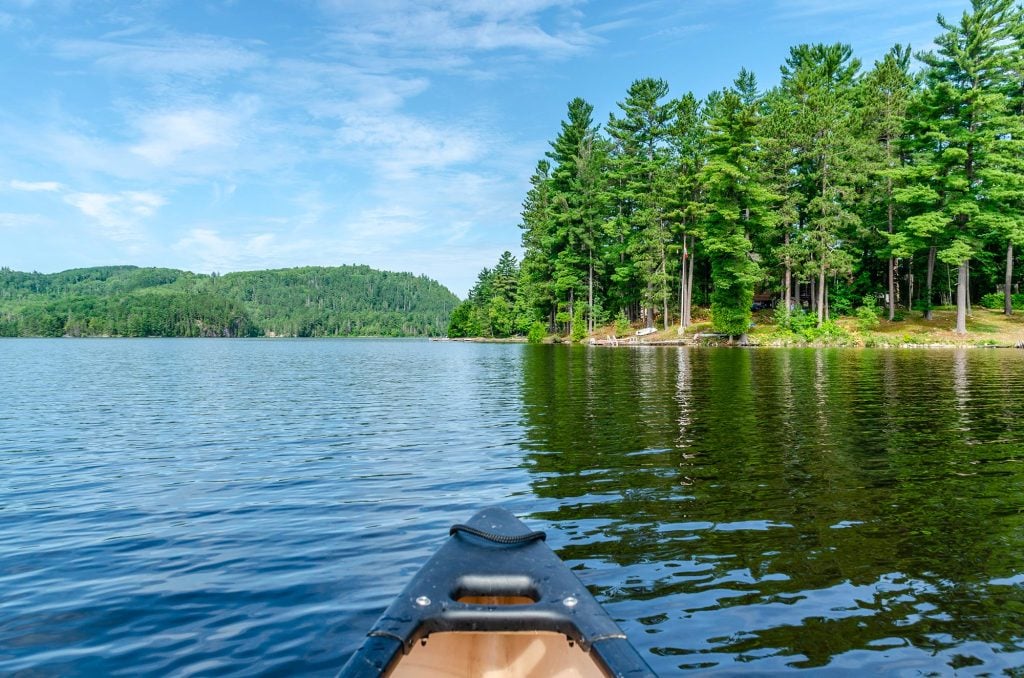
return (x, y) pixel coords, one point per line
(249, 507)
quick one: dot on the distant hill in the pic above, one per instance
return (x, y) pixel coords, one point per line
(301, 302)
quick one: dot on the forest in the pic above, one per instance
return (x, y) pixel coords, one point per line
(897, 187)
(128, 301)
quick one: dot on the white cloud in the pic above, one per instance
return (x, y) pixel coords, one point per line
(208, 250)
(10, 221)
(168, 135)
(119, 215)
(401, 145)
(473, 25)
(35, 186)
(381, 228)
(197, 56)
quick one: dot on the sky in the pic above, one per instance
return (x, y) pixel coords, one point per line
(227, 135)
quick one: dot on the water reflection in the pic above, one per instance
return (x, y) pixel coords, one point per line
(793, 509)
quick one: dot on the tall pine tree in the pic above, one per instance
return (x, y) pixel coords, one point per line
(960, 129)
(738, 203)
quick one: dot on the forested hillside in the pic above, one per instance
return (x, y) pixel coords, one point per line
(899, 184)
(303, 302)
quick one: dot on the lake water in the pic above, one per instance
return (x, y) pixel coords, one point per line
(249, 507)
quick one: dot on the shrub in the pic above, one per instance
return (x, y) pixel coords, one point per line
(830, 330)
(579, 325)
(537, 332)
(796, 321)
(995, 301)
(867, 314)
(621, 324)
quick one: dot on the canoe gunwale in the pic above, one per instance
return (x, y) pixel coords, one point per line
(468, 566)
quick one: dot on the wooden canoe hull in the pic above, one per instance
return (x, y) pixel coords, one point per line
(480, 607)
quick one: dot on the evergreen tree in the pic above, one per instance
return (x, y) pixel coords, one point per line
(781, 167)
(821, 79)
(575, 207)
(688, 140)
(1006, 176)
(885, 96)
(738, 203)
(963, 142)
(536, 286)
(641, 188)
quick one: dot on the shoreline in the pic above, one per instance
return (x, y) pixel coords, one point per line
(987, 328)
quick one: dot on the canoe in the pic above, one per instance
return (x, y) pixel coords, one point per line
(495, 601)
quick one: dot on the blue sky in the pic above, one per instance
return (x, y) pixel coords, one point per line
(242, 134)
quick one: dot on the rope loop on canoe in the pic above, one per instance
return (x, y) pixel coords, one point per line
(507, 539)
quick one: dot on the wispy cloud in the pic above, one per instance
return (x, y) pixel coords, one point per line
(166, 135)
(216, 251)
(157, 55)
(35, 186)
(120, 216)
(401, 146)
(10, 221)
(546, 27)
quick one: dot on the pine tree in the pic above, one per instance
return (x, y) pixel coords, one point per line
(960, 130)
(536, 290)
(885, 95)
(688, 140)
(738, 203)
(641, 186)
(575, 207)
(1006, 175)
(781, 167)
(821, 79)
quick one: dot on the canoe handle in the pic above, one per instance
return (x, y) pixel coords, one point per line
(505, 589)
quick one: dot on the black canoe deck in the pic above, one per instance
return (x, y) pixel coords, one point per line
(475, 585)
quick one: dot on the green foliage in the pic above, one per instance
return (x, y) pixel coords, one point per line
(579, 325)
(537, 332)
(497, 306)
(621, 324)
(840, 299)
(129, 301)
(995, 301)
(867, 314)
(835, 178)
(831, 331)
(738, 203)
(463, 321)
(797, 322)
(730, 309)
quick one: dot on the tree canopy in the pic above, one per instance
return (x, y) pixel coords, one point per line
(299, 302)
(840, 186)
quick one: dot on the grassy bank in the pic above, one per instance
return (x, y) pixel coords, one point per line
(985, 328)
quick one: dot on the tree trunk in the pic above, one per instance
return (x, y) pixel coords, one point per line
(590, 294)
(892, 289)
(821, 294)
(572, 313)
(928, 282)
(689, 283)
(650, 307)
(891, 220)
(664, 290)
(1008, 287)
(910, 283)
(683, 263)
(812, 297)
(970, 314)
(787, 282)
(961, 299)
